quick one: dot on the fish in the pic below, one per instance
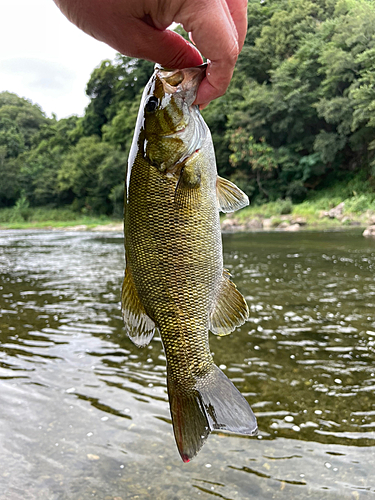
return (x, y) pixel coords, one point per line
(175, 282)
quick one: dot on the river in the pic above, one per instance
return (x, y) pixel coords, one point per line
(84, 413)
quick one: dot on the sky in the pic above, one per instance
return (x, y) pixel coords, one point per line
(45, 58)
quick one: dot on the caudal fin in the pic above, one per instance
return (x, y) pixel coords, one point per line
(212, 403)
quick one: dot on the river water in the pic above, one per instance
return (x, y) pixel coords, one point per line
(84, 413)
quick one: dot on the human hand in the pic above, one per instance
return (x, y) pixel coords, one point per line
(138, 28)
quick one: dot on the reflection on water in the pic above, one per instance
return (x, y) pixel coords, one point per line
(84, 413)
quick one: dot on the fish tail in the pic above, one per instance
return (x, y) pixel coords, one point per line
(210, 402)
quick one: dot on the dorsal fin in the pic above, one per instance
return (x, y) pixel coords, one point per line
(138, 324)
(230, 197)
(230, 310)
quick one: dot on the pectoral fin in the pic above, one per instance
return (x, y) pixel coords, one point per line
(230, 197)
(138, 324)
(231, 309)
(187, 190)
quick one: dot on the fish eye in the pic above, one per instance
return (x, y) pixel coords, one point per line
(152, 104)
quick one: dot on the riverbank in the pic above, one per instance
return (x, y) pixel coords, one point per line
(250, 219)
(281, 215)
(70, 225)
(109, 225)
(319, 214)
(54, 219)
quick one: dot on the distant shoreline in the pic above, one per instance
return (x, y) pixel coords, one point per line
(273, 216)
(69, 226)
(229, 224)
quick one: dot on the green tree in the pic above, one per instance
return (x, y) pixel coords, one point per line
(40, 166)
(20, 123)
(306, 92)
(88, 173)
(113, 86)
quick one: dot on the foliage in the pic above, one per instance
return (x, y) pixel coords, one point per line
(113, 86)
(308, 99)
(20, 122)
(88, 173)
(297, 120)
(21, 210)
(40, 217)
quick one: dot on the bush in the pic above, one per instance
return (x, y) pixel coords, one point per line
(361, 203)
(21, 210)
(296, 191)
(286, 206)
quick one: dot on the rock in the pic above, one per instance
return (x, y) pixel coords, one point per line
(81, 227)
(293, 227)
(254, 224)
(299, 220)
(283, 225)
(110, 227)
(346, 220)
(369, 232)
(231, 225)
(227, 224)
(267, 223)
(336, 212)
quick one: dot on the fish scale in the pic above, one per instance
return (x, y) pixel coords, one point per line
(165, 252)
(174, 277)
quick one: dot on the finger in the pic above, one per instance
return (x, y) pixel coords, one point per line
(162, 46)
(215, 84)
(215, 35)
(238, 12)
(125, 30)
(204, 105)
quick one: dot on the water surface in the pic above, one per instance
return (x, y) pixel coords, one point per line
(84, 413)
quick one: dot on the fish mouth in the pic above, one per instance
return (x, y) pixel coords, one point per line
(185, 80)
(184, 83)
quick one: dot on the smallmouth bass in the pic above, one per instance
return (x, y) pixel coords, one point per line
(174, 277)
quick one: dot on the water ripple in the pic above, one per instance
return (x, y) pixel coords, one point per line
(74, 386)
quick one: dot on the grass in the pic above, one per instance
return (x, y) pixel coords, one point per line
(359, 206)
(42, 217)
(356, 193)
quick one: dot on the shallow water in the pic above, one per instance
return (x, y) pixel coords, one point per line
(84, 413)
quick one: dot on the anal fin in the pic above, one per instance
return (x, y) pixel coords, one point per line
(231, 309)
(230, 197)
(138, 324)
